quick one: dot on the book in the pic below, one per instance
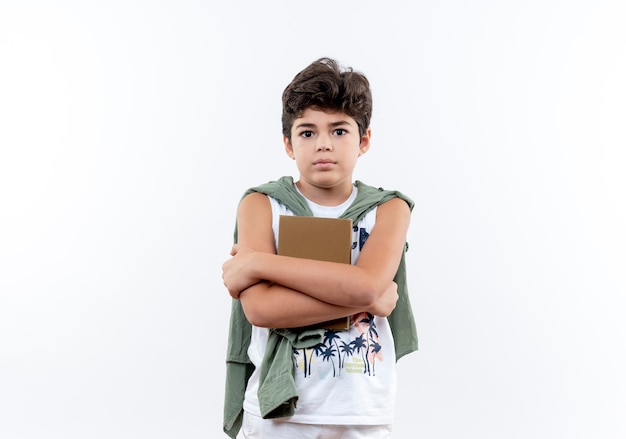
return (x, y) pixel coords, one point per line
(322, 239)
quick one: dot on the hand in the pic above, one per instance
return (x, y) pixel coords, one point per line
(385, 303)
(237, 272)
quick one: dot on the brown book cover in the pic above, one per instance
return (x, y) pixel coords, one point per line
(322, 239)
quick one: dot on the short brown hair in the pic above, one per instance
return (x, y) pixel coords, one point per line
(324, 85)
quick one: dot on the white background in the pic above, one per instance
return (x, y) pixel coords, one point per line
(129, 130)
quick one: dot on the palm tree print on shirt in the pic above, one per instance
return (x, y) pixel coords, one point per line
(343, 353)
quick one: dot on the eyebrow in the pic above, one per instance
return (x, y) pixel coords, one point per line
(332, 124)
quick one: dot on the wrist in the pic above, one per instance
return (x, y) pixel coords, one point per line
(260, 265)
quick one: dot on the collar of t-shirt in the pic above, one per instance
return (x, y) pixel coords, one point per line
(330, 211)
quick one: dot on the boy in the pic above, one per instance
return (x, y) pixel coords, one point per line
(288, 383)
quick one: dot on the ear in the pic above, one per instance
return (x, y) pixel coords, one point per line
(289, 148)
(364, 146)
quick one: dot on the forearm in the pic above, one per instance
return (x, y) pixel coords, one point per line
(275, 306)
(333, 283)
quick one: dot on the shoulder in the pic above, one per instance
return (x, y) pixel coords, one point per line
(255, 197)
(378, 195)
(394, 207)
(272, 187)
(254, 203)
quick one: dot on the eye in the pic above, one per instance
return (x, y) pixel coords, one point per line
(340, 132)
(306, 134)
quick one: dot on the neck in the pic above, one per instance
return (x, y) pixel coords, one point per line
(332, 196)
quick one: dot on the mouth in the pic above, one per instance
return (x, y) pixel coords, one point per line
(324, 165)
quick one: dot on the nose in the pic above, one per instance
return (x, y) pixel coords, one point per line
(324, 143)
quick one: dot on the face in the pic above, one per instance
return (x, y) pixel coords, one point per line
(326, 146)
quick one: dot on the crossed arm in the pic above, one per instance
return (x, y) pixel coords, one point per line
(280, 291)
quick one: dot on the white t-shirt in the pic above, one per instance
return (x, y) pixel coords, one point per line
(350, 378)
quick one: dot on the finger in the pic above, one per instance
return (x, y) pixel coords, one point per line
(234, 250)
(234, 294)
